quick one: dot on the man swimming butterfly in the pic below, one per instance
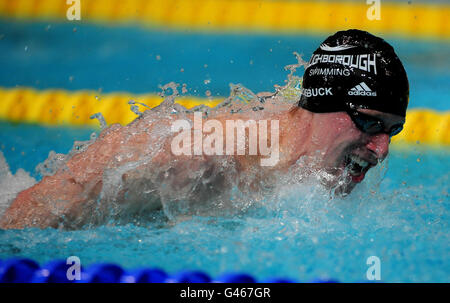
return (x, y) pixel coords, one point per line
(354, 99)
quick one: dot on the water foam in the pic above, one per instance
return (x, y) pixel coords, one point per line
(11, 185)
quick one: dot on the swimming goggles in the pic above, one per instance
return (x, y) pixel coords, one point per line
(372, 125)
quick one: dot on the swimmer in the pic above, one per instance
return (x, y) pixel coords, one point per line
(354, 99)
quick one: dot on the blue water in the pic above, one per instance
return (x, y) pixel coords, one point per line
(405, 222)
(107, 58)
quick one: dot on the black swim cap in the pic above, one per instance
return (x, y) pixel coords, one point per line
(355, 69)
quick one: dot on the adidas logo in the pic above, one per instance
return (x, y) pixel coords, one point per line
(362, 90)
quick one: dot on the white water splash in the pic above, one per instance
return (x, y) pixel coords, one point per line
(101, 119)
(11, 185)
(131, 188)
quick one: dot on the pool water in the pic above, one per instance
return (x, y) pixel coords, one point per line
(137, 60)
(400, 213)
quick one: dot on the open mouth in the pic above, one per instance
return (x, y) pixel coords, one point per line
(356, 167)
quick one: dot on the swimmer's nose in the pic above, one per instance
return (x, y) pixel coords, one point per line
(379, 144)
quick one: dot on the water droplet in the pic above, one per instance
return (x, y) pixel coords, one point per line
(100, 119)
(135, 109)
(184, 88)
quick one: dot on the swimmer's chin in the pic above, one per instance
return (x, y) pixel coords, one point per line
(342, 183)
(344, 189)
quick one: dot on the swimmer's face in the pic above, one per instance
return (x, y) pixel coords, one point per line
(349, 152)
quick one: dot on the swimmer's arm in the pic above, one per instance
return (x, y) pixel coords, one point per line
(68, 196)
(49, 203)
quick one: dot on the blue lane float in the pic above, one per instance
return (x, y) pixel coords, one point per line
(17, 270)
(145, 275)
(21, 270)
(52, 272)
(235, 278)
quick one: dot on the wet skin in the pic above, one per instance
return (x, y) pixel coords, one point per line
(338, 139)
(73, 196)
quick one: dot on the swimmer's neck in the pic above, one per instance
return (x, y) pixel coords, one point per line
(296, 135)
(295, 139)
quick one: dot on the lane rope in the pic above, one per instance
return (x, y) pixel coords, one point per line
(74, 108)
(416, 20)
